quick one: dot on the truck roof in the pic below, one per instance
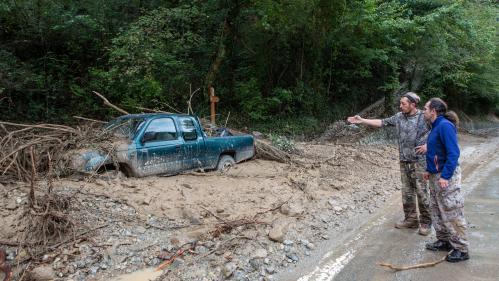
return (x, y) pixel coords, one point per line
(148, 115)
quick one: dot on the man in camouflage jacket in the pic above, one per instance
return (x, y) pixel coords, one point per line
(412, 131)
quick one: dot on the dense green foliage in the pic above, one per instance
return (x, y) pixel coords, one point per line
(290, 62)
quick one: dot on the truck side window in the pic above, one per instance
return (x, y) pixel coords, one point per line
(188, 128)
(164, 129)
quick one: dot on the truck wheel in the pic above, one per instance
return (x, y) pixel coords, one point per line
(225, 162)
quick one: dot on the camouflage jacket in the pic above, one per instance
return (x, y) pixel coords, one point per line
(412, 131)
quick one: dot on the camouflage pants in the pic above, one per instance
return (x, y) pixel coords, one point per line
(415, 194)
(447, 211)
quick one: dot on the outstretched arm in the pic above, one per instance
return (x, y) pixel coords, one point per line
(370, 122)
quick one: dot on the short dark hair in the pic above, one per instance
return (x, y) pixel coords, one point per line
(412, 97)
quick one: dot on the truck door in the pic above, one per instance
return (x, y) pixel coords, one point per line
(159, 149)
(193, 144)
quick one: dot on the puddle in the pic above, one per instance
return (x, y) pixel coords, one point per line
(147, 274)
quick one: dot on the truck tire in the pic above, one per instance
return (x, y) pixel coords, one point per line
(225, 162)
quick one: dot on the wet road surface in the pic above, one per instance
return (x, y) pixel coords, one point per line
(357, 256)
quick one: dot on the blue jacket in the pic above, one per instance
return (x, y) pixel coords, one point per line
(443, 151)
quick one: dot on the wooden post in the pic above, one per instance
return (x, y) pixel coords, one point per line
(213, 100)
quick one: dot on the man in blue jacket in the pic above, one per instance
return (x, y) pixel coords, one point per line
(444, 175)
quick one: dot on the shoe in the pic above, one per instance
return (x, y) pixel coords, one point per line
(457, 256)
(406, 224)
(439, 245)
(424, 229)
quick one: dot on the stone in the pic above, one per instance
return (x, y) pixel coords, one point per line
(255, 263)
(94, 269)
(201, 249)
(278, 231)
(270, 269)
(220, 210)
(287, 242)
(12, 205)
(293, 257)
(292, 209)
(240, 276)
(140, 229)
(177, 263)
(259, 253)
(229, 269)
(43, 272)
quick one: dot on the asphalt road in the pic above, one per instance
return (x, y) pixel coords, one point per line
(356, 256)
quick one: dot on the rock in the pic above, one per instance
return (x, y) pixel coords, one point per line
(220, 210)
(309, 246)
(266, 261)
(140, 229)
(43, 272)
(292, 256)
(292, 209)
(101, 182)
(255, 263)
(278, 231)
(229, 269)
(11, 206)
(94, 269)
(325, 237)
(337, 209)
(270, 269)
(287, 242)
(11, 255)
(153, 262)
(177, 262)
(259, 253)
(201, 249)
(240, 276)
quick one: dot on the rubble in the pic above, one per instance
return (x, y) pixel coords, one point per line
(247, 224)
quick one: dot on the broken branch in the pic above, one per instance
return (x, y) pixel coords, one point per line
(106, 102)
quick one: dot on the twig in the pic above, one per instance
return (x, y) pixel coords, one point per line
(106, 102)
(180, 252)
(227, 120)
(225, 242)
(151, 110)
(421, 265)
(42, 126)
(33, 177)
(272, 209)
(55, 246)
(91, 120)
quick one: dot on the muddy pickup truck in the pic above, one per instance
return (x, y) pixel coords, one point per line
(164, 144)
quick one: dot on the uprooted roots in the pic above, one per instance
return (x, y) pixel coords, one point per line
(48, 222)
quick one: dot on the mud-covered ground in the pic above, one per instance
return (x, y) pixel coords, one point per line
(246, 224)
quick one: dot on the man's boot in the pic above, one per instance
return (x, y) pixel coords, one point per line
(439, 245)
(406, 224)
(424, 229)
(457, 256)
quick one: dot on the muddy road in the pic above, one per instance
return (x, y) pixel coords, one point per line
(261, 220)
(355, 255)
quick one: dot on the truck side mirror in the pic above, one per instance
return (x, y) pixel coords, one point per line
(191, 135)
(148, 136)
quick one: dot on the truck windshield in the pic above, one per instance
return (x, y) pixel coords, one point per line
(124, 127)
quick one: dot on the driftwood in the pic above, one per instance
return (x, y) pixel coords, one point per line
(407, 267)
(106, 102)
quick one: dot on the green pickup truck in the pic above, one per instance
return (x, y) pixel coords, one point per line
(165, 144)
